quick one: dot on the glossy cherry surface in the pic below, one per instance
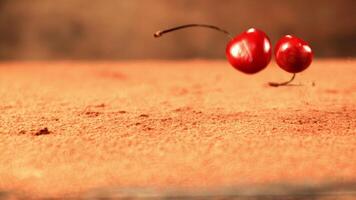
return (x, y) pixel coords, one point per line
(293, 54)
(249, 52)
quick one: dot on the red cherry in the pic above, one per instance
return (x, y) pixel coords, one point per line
(249, 52)
(293, 55)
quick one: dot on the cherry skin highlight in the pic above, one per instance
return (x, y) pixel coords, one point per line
(249, 52)
(293, 54)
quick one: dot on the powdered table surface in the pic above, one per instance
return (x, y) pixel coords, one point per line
(71, 127)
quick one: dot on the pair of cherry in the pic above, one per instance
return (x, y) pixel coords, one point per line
(251, 52)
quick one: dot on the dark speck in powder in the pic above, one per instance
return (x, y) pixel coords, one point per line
(43, 131)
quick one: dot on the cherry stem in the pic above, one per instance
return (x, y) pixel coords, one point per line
(162, 32)
(273, 84)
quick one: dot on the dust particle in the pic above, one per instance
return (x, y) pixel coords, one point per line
(92, 113)
(102, 105)
(147, 128)
(43, 131)
(183, 109)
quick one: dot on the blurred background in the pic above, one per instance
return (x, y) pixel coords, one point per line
(122, 29)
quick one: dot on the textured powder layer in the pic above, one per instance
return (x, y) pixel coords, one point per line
(69, 127)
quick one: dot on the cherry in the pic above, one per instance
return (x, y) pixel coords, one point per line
(293, 55)
(249, 52)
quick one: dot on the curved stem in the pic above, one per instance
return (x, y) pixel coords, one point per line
(162, 32)
(274, 84)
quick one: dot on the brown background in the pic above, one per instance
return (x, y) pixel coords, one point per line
(122, 29)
